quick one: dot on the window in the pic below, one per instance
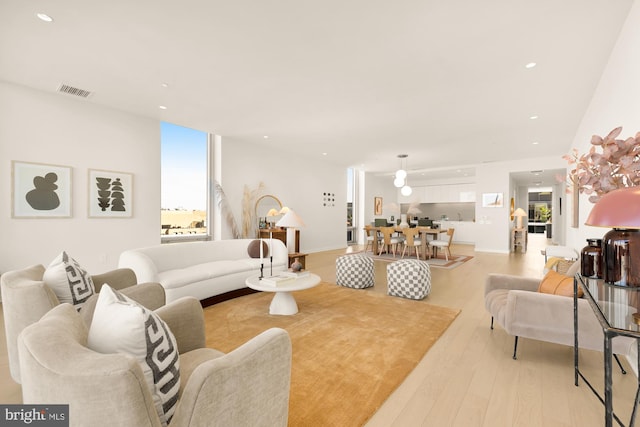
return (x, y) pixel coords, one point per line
(184, 179)
(351, 189)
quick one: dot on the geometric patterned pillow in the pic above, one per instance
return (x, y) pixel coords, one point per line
(70, 282)
(121, 325)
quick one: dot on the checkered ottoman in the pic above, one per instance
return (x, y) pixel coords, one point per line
(409, 278)
(354, 271)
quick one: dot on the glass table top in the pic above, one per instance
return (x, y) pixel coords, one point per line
(617, 304)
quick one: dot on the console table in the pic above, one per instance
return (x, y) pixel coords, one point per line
(280, 234)
(519, 237)
(616, 308)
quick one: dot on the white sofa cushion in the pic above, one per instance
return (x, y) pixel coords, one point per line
(69, 281)
(121, 325)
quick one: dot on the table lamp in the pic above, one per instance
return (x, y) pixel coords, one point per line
(290, 221)
(620, 210)
(519, 214)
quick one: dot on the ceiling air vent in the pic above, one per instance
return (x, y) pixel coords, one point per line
(70, 90)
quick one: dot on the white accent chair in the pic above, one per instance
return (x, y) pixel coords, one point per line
(516, 305)
(559, 258)
(26, 298)
(248, 386)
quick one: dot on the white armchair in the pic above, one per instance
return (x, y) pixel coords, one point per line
(26, 298)
(248, 386)
(516, 305)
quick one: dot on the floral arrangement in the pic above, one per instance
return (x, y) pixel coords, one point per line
(616, 166)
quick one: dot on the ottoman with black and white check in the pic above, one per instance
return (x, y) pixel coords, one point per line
(409, 278)
(354, 271)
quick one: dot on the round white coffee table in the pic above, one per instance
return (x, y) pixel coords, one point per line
(283, 302)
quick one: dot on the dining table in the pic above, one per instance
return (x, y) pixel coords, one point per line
(425, 232)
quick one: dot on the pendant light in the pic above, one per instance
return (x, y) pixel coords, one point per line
(400, 180)
(401, 174)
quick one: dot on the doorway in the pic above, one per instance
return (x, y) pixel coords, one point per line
(539, 211)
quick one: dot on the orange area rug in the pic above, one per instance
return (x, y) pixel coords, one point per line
(351, 348)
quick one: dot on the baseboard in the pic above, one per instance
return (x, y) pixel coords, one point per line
(226, 296)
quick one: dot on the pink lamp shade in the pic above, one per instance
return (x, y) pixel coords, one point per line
(617, 209)
(620, 210)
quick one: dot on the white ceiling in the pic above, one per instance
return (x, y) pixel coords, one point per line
(361, 80)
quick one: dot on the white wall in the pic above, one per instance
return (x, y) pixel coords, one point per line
(299, 183)
(616, 102)
(51, 128)
(494, 224)
(379, 186)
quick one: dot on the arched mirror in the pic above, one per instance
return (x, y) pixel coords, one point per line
(264, 206)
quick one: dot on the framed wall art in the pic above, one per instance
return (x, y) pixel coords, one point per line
(110, 194)
(377, 205)
(40, 190)
(492, 200)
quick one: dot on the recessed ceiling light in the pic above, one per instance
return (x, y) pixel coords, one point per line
(44, 17)
(164, 84)
(324, 154)
(530, 65)
(533, 117)
(162, 107)
(266, 137)
(535, 143)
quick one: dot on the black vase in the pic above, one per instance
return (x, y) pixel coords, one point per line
(621, 257)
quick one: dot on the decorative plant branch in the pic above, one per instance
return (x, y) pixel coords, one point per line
(223, 204)
(617, 166)
(248, 210)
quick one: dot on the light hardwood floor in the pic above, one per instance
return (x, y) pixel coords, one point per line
(468, 377)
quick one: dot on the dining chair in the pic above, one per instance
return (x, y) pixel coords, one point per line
(445, 244)
(411, 240)
(372, 234)
(389, 240)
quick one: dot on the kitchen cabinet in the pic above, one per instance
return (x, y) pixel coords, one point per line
(465, 230)
(451, 193)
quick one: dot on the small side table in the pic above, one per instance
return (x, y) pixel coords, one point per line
(519, 239)
(301, 257)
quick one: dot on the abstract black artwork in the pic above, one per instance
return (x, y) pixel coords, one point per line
(110, 194)
(41, 190)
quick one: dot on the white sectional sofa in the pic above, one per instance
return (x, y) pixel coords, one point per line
(201, 269)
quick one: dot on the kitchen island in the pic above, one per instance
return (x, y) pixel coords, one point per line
(465, 230)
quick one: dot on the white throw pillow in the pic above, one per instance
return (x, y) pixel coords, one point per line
(121, 325)
(70, 282)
